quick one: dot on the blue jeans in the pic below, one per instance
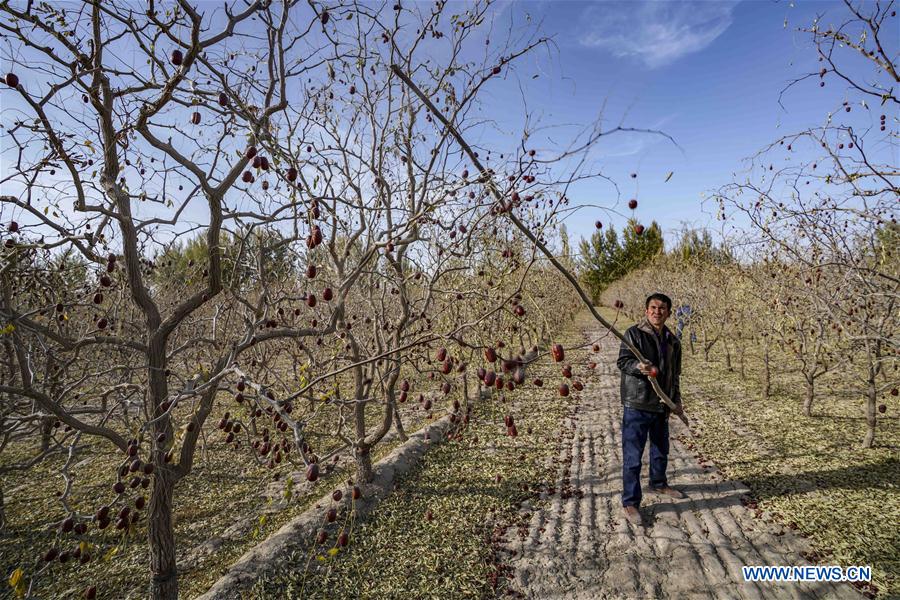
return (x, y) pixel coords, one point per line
(637, 425)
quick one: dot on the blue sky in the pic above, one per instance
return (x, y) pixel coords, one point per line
(706, 73)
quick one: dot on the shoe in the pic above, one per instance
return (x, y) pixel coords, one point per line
(632, 515)
(670, 492)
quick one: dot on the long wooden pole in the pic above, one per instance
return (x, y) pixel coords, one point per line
(489, 182)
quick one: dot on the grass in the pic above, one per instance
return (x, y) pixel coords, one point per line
(808, 473)
(223, 488)
(398, 552)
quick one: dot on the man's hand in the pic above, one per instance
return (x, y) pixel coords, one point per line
(644, 367)
(679, 410)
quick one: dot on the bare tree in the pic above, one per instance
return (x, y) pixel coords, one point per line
(255, 194)
(831, 218)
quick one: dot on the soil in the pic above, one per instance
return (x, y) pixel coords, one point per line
(580, 546)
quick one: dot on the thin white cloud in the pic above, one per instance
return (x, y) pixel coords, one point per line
(656, 32)
(621, 144)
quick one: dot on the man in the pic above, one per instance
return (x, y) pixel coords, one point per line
(683, 314)
(644, 414)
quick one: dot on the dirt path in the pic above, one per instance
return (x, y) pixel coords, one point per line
(580, 546)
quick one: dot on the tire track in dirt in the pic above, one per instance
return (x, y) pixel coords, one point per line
(580, 546)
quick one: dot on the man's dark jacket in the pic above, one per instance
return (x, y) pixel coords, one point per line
(636, 390)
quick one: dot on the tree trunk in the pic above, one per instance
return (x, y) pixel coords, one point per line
(465, 378)
(767, 373)
(810, 395)
(728, 357)
(398, 425)
(871, 398)
(46, 431)
(161, 537)
(741, 362)
(691, 343)
(364, 472)
(707, 346)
